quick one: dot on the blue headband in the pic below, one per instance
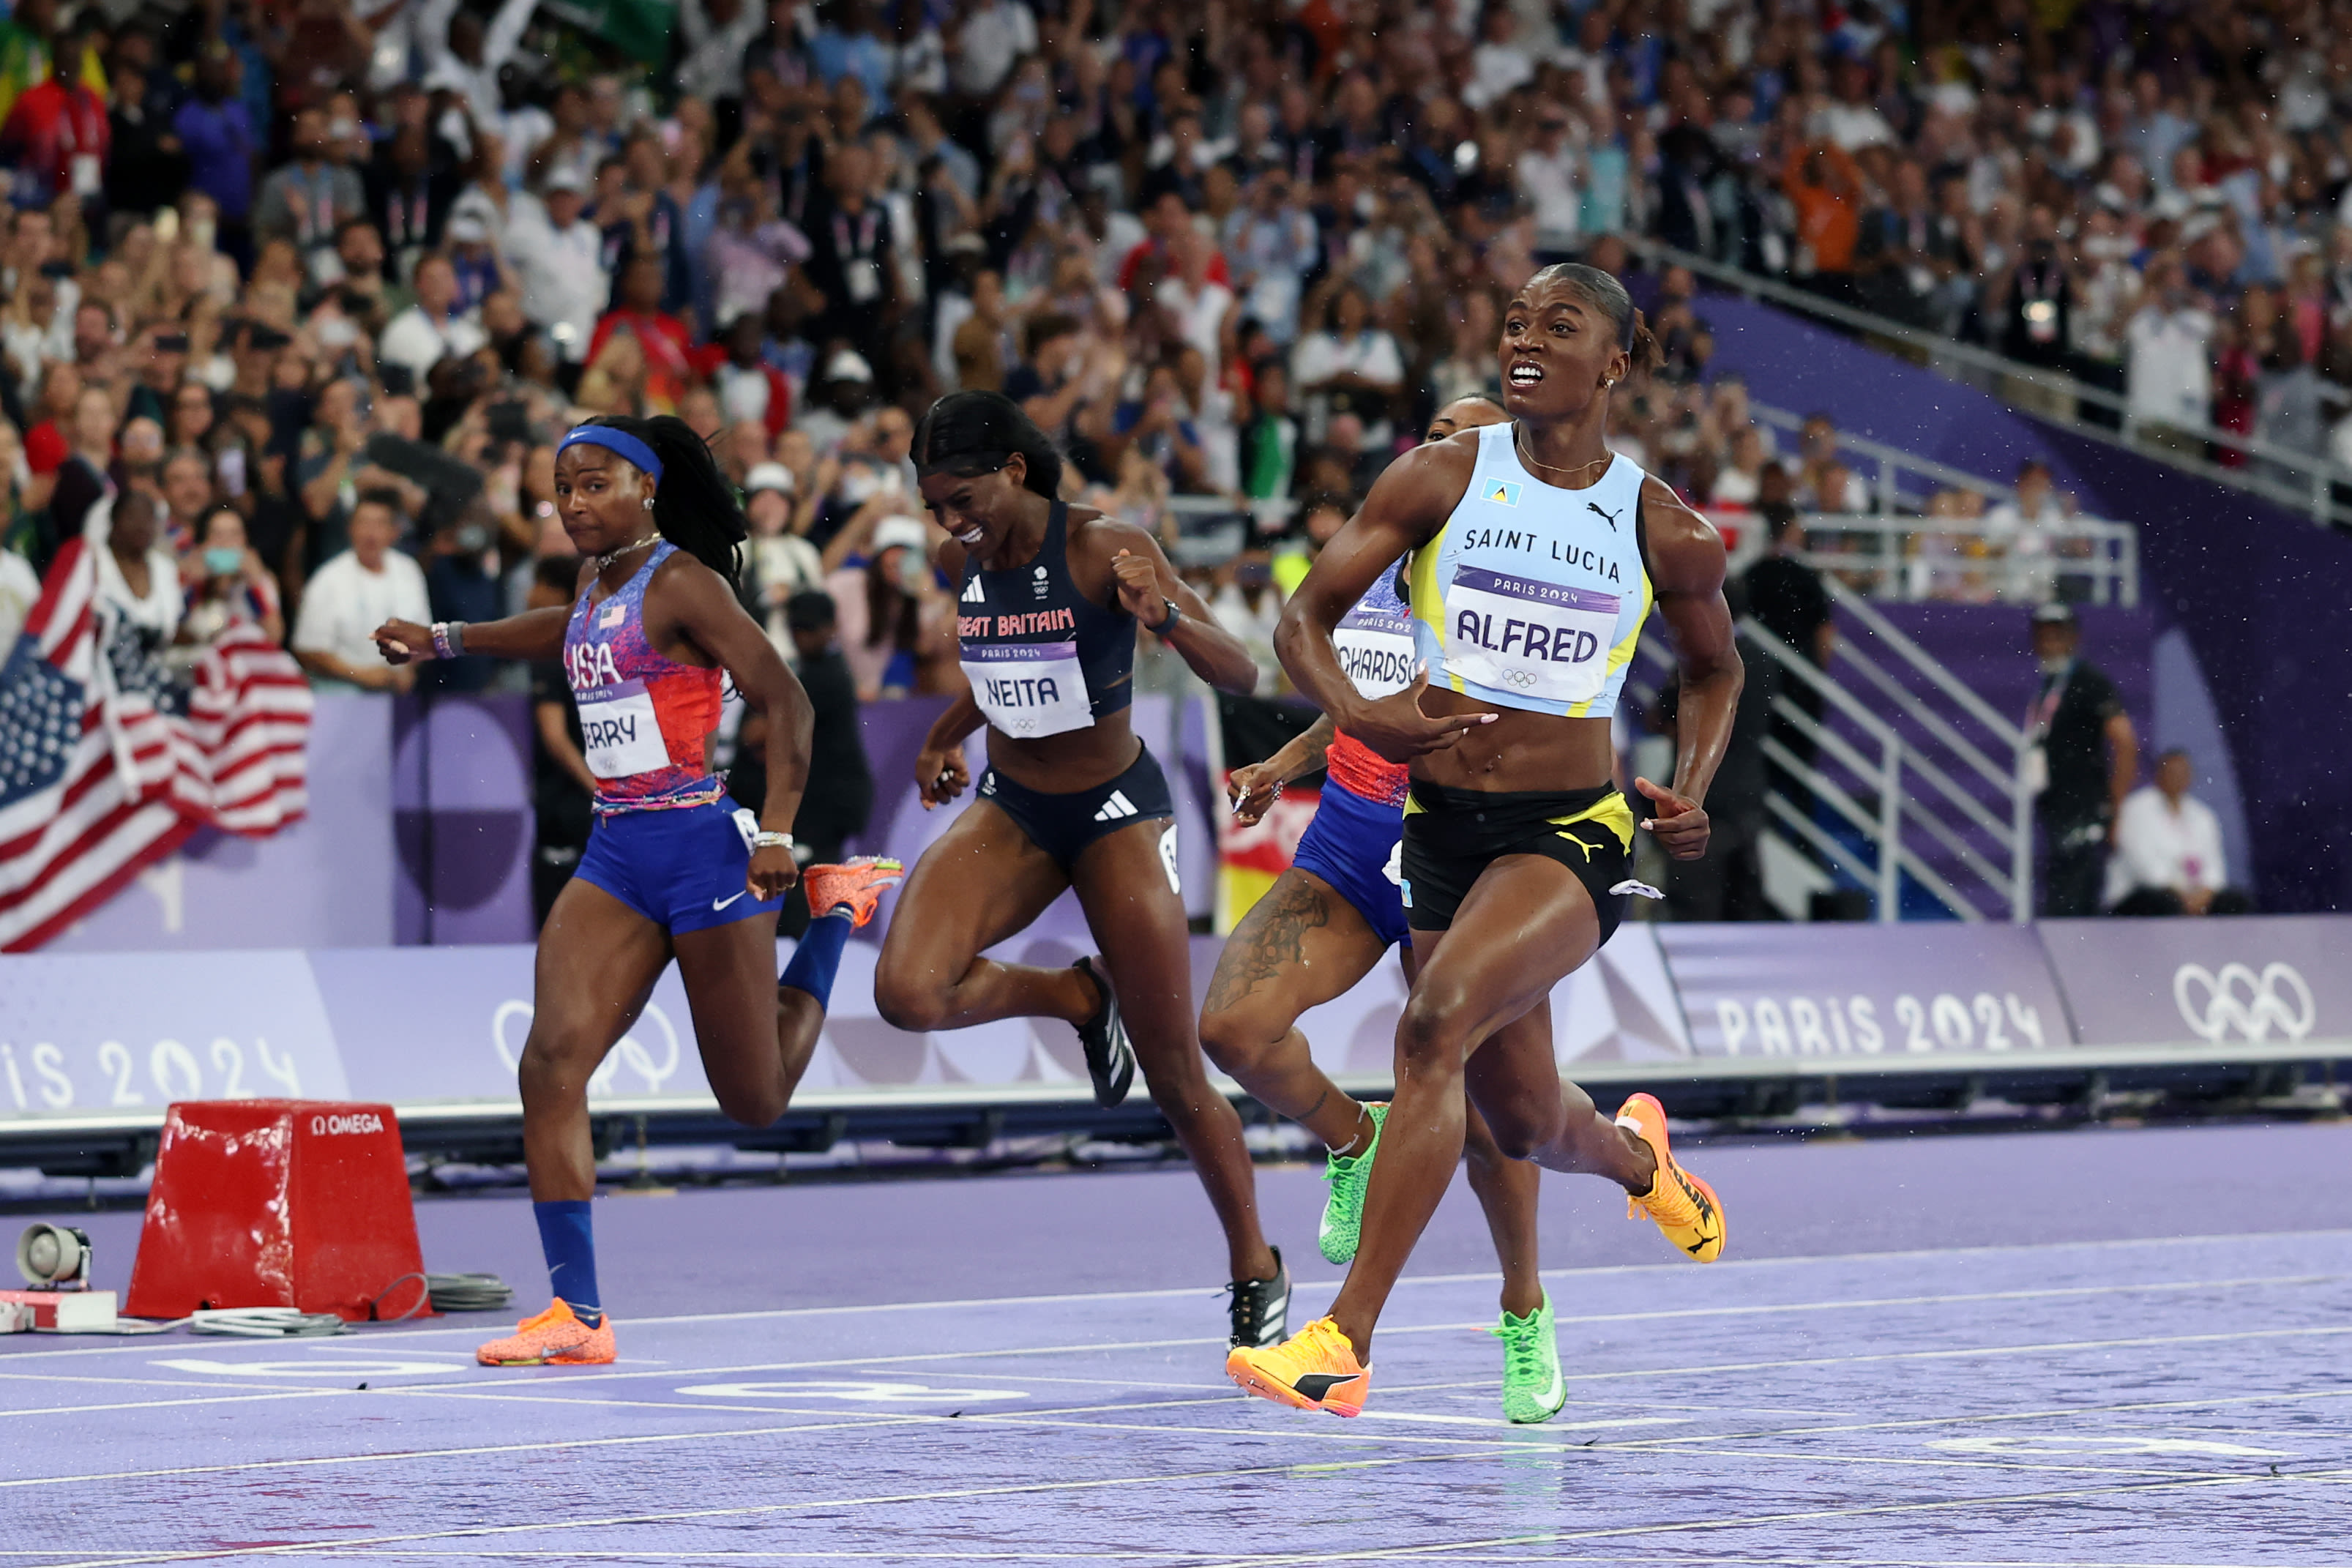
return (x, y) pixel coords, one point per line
(613, 440)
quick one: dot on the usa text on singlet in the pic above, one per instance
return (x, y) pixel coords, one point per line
(644, 720)
(1533, 596)
(1042, 657)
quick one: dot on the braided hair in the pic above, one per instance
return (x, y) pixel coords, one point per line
(970, 433)
(695, 507)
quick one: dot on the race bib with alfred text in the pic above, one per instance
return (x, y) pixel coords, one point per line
(1526, 638)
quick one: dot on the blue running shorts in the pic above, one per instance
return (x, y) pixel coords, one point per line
(1352, 843)
(682, 868)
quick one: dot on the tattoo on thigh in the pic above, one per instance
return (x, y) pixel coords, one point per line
(1271, 938)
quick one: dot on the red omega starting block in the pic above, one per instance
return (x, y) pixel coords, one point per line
(278, 1203)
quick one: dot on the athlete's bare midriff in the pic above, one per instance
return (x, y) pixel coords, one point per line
(1070, 761)
(1520, 751)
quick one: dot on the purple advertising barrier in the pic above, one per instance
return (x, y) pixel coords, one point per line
(1620, 1007)
(101, 1034)
(448, 1024)
(1867, 991)
(2257, 980)
(326, 880)
(91, 1034)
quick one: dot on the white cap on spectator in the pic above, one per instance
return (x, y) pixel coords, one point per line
(848, 366)
(769, 476)
(565, 178)
(467, 229)
(893, 531)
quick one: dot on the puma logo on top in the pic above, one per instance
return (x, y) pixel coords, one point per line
(1609, 517)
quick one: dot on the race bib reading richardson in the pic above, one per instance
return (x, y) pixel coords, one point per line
(1375, 645)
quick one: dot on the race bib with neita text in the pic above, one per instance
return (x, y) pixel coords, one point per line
(619, 732)
(1028, 688)
(1524, 638)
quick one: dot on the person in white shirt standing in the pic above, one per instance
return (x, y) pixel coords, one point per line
(2168, 859)
(434, 328)
(560, 258)
(2169, 377)
(993, 35)
(1551, 177)
(352, 595)
(464, 55)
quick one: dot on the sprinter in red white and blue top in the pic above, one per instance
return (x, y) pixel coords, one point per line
(671, 870)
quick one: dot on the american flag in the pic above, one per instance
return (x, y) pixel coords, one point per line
(104, 771)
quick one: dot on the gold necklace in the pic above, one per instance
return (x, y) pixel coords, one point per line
(1519, 444)
(606, 559)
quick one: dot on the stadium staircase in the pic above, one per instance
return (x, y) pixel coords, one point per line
(1912, 797)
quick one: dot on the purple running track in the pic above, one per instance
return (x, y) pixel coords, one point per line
(2108, 1347)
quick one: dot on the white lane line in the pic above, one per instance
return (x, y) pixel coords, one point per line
(1753, 1522)
(2131, 1407)
(1719, 1269)
(1965, 1353)
(638, 1439)
(259, 1396)
(1132, 1555)
(1947, 1353)
(330, 1547)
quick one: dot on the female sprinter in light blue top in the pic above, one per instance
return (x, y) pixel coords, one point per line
(1535, 555)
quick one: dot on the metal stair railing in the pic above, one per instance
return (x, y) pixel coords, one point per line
(1901, 575)
(1936, 806)
(2007, 736)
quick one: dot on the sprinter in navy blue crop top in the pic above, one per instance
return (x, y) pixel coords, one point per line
(1048, 599)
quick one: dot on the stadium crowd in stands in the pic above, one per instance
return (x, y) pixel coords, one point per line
(324, 280)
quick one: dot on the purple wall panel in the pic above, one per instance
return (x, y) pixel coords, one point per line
(462, 819)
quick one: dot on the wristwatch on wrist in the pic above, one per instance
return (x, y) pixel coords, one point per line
(772, 841)
(1168, 623)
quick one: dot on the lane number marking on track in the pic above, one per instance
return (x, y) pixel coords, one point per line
(338, 1369)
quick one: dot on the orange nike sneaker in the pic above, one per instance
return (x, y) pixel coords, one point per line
(856, 885)
(554, 1338)
(1314, 1369)
(1685, 1207)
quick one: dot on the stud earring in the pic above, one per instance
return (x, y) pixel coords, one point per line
(649, 503)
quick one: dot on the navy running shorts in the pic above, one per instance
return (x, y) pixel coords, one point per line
(1064, 825)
